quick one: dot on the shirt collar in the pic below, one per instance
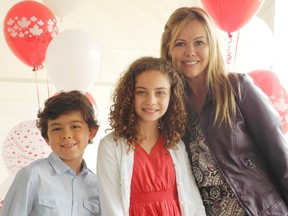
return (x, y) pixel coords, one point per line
(60, 167)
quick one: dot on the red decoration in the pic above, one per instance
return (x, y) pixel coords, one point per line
(93, 101)
(231, 15)
(23, 144)
(271, 86)
(29, 26)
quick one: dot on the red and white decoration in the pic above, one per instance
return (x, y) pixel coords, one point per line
(271, 86)
(29, 26)
(22, 145)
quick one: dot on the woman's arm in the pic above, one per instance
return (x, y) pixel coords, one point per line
(264, 125)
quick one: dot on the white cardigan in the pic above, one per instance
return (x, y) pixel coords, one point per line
(114, 171)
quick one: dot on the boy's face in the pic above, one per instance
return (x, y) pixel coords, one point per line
(68, 136)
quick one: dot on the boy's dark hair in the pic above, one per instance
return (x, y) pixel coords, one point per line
(64, 103)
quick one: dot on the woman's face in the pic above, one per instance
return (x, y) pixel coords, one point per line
(190, 52)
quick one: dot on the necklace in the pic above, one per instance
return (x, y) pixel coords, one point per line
(193, 126)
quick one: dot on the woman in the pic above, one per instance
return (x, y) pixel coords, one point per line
(235, 142)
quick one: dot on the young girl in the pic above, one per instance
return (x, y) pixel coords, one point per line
(142, 166)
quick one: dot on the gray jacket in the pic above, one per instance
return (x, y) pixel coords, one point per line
(253, 156)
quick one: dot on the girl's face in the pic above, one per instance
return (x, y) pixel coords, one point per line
(190, 53)
(152, 95)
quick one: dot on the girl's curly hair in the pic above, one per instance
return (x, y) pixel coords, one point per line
(123, 118)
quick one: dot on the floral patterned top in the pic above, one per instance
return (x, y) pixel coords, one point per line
(218, 198)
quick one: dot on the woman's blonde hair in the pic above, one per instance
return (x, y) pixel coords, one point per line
(217, 77)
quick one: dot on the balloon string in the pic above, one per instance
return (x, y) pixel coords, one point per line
(37, 89)
(229, 56)
(47, 85)
(236, 48)
(37, 67)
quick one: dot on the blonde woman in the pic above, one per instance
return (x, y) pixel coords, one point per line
(235, 142)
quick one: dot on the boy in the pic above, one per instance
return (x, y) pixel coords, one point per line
(60, 184)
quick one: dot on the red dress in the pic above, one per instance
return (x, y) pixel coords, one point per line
(153, 186)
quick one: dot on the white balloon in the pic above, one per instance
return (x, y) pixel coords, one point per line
(22, 145)
(61, 8)
(73, 61)
(254, 49)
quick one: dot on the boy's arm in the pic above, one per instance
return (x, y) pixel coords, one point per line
(19, 198)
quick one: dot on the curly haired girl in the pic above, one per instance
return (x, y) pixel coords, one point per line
(142, 166)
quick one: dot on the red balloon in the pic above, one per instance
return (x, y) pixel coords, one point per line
(231, 15)
(29, 26)
(93, 101)
(271, 86)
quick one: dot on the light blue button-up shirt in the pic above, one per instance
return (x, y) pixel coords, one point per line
(48, 187)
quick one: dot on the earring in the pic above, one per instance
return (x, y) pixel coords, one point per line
(159, 124)
(90, 141)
